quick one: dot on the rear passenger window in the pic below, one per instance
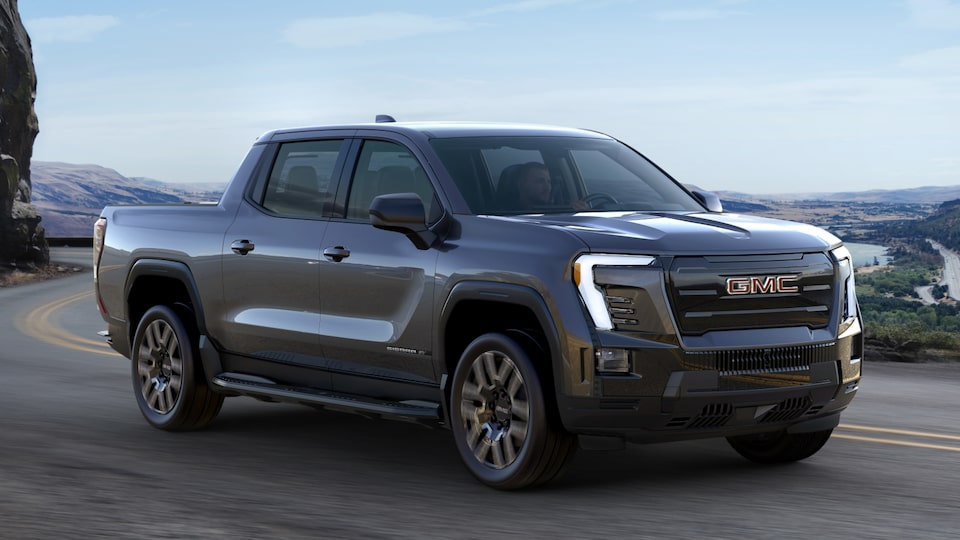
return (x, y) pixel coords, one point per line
(300, 183)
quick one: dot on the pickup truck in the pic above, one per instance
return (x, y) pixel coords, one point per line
(533, 289)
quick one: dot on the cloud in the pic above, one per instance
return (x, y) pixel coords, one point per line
(936, 14)
(345, 31)
(70, 29)
(945, 60)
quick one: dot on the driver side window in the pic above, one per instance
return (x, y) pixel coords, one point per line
(387, 167)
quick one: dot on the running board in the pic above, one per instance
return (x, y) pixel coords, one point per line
(421, 412)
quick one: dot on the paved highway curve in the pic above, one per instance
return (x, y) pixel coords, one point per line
(78, 461)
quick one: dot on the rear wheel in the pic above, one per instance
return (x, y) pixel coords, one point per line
(780, 446)
(501, 423)
(167, 377)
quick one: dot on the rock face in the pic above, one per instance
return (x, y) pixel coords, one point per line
(22, 241)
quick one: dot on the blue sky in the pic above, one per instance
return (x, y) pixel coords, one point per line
(758, 96)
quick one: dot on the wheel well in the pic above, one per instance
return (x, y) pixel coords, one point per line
(473, 318)
(149, 291)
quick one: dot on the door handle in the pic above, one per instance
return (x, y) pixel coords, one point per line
(336, 254)
(241, 247)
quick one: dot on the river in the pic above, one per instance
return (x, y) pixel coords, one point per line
(865, 254)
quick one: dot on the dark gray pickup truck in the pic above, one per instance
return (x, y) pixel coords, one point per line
(526, 287)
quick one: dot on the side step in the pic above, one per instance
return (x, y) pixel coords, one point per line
(420, 412)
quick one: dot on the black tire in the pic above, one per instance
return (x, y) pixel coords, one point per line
(780, 446)
(505, 432)
(168, 380)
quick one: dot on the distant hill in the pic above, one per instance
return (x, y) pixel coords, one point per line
(917, 195)
(69, 196)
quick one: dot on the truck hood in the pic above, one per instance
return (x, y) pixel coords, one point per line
(681, 233)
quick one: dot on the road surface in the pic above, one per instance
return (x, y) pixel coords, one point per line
(78, 461)
(951, 269)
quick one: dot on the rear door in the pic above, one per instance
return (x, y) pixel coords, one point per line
(271, 255)
(376, 287)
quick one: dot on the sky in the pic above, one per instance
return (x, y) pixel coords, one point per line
(755, 96)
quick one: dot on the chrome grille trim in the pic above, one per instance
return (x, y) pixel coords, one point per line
(761, 360)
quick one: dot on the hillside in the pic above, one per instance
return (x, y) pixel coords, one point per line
(69, 196)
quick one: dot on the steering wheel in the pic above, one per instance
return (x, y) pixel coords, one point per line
(599, 197)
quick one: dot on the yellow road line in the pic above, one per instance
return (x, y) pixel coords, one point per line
(895, 442)
(900, 432)
(37, 324)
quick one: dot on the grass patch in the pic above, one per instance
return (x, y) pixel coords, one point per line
(15, 277)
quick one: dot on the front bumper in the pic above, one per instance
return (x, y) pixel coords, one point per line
(669, 397)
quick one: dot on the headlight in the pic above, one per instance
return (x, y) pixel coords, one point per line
(845, 262)
(590, 293)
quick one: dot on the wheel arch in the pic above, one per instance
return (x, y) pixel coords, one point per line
(161, 282)
(474, 308)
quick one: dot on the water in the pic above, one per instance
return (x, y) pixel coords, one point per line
(864, 254)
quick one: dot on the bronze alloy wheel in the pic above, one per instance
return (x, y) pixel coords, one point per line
(495, 410)
(505, 429)
(168, 380)
(160, 366)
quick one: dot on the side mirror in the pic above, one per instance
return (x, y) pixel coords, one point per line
(708, 199)
(403, 213)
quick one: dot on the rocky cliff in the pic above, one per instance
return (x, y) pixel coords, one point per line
(22, 242)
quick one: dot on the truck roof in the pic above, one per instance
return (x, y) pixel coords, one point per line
(442, 129)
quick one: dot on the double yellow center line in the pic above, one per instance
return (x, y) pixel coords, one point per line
(39, 324)
(897, 437)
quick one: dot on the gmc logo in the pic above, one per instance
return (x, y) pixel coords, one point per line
(762, 285)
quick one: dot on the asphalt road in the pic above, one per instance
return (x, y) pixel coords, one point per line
(78, 461)
(951, 269)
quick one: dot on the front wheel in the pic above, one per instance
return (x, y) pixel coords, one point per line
(167, 377)
(779, 447)
(501, 423)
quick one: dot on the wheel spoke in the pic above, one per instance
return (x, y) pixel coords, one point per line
(521, 409)
(150, 338)
(474, 436)
(518, 432)
(515, 384)
(171, 395)
(472, 392)
(478, 374)
(490, 365)
(498, 453)
(469, 410)
(508, 452)
(167, 340)
(481, 450)
(153, 398)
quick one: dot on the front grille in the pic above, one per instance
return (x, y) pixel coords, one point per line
(735, 293)
(730, 362)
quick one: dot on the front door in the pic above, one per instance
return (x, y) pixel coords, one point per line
(376, 287)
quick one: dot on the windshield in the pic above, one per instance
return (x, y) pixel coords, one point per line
(542, 175)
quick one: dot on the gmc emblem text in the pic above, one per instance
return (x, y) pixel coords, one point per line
(762, 285)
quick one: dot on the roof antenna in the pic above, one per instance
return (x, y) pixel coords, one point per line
(381, 118)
